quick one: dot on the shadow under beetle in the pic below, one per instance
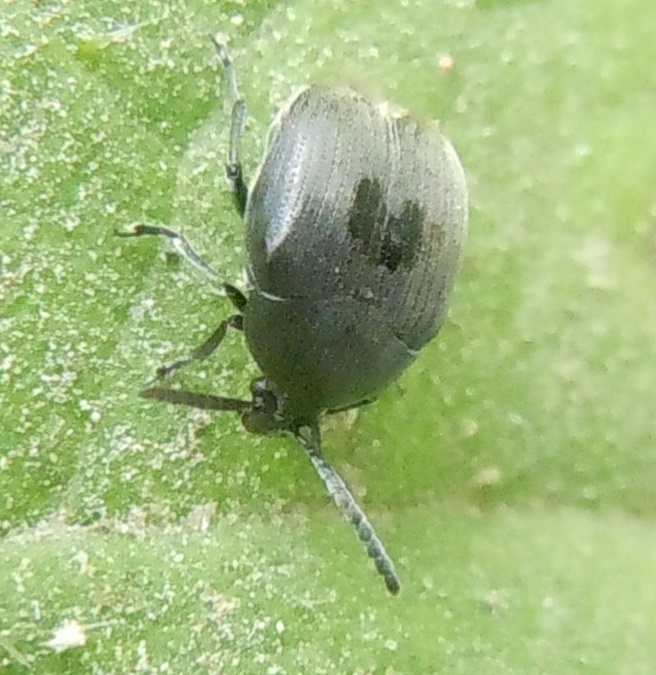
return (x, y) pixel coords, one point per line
(354, 225)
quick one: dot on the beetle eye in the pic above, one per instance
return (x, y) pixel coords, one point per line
(265, 403)
(265, 416)
(255, 423)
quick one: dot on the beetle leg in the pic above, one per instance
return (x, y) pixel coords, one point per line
(237, 124)
(310, 439)
(344, 408)
(196, 400)
(206, 349)
(236, 297)
(233, 166)
(182, 247)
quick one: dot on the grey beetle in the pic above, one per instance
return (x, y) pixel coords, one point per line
(354, 224)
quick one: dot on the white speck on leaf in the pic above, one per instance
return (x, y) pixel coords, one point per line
(67, 636)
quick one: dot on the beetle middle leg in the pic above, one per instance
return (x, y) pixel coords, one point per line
(181, 246)
(204, 350)
(210, 345)
(238, 299)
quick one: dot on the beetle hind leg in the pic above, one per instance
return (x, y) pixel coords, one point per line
(238, 122)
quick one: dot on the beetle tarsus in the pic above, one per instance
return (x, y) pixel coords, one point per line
(228, 66)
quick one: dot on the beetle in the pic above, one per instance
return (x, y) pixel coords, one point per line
(355, 220)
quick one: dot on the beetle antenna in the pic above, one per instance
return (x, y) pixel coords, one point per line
(345, 502)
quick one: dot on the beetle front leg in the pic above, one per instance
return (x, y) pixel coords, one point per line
(196, 399)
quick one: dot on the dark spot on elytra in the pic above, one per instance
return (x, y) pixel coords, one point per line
(384, 238)
(365, 211)
(402, 236)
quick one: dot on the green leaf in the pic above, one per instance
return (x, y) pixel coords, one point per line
(510, 471)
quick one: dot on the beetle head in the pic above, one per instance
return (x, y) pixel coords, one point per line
(266, 413)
